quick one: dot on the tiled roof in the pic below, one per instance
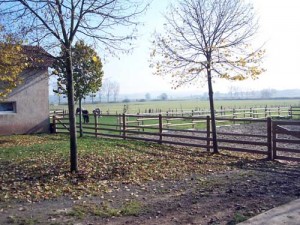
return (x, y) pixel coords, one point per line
(37, 56)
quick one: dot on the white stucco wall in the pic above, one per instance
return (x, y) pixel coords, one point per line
(32, 107)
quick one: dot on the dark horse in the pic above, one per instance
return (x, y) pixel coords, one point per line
(97, 112)
(85, 115)
(77, 111)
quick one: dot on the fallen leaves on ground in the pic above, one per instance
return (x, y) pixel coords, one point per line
(22, 140)
(42, 170)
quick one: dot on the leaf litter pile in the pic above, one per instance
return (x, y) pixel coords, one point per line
(36, 168)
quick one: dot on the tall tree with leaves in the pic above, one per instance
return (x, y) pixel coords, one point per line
(206, 39)
(56, 23)
(12, 62)
(87, 72)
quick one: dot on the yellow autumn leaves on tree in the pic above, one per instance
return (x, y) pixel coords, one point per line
(12, 63)
(235, 64)
(87, 71)
(196, 48)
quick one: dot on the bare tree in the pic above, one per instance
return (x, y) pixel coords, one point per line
(101, 93)
(267, 93)
(163, 96)
(234, 91)
(206, 39)
(107, 89)
(55, 23)
(147, 96)
(108, 92)
(115, 90)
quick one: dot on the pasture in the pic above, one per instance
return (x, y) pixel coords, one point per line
(181, 105)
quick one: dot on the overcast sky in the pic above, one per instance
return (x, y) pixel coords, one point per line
(279, 28)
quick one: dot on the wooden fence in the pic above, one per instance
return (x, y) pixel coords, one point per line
(246, 113)
(286, 133)
(56, 112)
(194, 131)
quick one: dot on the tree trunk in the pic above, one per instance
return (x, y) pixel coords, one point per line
(72, 118)
(212, 111)
(80, 118)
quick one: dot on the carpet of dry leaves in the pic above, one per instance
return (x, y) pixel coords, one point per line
(126, 182)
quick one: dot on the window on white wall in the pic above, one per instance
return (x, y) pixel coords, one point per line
(7, 107)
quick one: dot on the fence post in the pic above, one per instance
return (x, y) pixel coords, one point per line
(274, 140)
(54, 124)
(119, 124)
(124, 126)
(269, 138)
(291, 112)
(233, 115)
(160, 128)
(208, 132)
(266, 112)
(96, 124)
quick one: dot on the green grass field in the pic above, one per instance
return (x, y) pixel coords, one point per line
(183, 105)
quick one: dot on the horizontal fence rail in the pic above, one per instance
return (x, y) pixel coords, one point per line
(247, 113)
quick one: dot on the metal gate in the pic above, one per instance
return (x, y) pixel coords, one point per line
(286, 140)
